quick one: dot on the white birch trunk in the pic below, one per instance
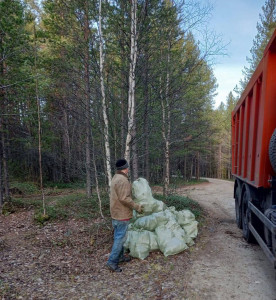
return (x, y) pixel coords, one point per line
(131, 90)
(166, 131)
(96, 178)
(106, 124)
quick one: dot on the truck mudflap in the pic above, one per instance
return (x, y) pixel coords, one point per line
(270, 252)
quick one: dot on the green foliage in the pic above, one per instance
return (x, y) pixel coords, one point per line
(55, 58)
(41, 218)
(64, 185)
(181, 202)
(178, 181)
(8, 208)
(24, 187)
(16, 204)
(74, 205)
(265, 29)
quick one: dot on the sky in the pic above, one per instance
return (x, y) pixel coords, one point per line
(235, 21)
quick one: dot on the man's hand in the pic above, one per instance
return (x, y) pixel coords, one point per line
(140, 209)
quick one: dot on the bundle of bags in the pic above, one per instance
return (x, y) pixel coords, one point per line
(159, 227)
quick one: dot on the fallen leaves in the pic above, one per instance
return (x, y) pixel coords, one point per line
(66, 260)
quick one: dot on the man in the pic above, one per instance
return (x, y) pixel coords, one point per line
(121, 207)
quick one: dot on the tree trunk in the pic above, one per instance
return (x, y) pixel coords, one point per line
(192, 167)
(229, 158)
(219, 162)
(185, 167)
(131, 90)
(87, 103)
(123, 91)
(106, 125)
(134, 154)
(66, 144)
(197, 166)
(1, 186)
(166, 130)
(146, 119)
(39, 128)
(3, 155)
(96, 178)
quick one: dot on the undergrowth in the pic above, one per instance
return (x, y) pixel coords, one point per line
(76, 205)
(181, 181)
(27, 188)
(181, 202)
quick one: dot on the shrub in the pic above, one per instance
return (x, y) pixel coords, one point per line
(23, 188)
(181, 202)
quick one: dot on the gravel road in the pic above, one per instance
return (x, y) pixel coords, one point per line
(226, 267)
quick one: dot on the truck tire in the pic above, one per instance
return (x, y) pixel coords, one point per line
(272, 150)
(238, 208)
(246, 217)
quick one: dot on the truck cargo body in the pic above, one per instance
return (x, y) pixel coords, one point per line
(254, 155)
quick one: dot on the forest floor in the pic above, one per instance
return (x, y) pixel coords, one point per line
(66, 260)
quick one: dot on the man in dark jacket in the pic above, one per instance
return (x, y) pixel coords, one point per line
(121, 207)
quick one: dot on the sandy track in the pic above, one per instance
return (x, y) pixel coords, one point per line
(226, 267)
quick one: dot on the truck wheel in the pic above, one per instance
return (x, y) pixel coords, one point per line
(272, 151)
(238, 209)
(246, 217)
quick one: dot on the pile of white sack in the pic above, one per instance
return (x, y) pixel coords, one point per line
(159, 227)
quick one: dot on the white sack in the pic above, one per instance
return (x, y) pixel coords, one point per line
(158, 227)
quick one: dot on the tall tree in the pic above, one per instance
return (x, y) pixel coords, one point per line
(14, 51)
(105, 116)
(131, 132)
(265, 29)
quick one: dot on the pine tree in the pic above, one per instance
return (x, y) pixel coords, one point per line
(265, 29)
(15, 77)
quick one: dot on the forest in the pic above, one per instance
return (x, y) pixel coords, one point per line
(84, 83)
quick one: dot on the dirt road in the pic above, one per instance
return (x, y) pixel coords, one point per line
(226, 267)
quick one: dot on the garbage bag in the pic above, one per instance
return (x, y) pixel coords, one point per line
(153, 241)
(143, 195)
(168, 243)
(159, 227)
(146, 222)
(151, 222)
(138, 242)
(184, 217)
(141, 190)
(191, 229)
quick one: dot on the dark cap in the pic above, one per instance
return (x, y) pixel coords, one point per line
(121, 164)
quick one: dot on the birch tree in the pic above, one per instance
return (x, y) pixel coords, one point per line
(106, 123)
(131, 92)
(166, 126)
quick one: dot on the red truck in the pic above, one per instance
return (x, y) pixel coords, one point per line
(254, 155)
